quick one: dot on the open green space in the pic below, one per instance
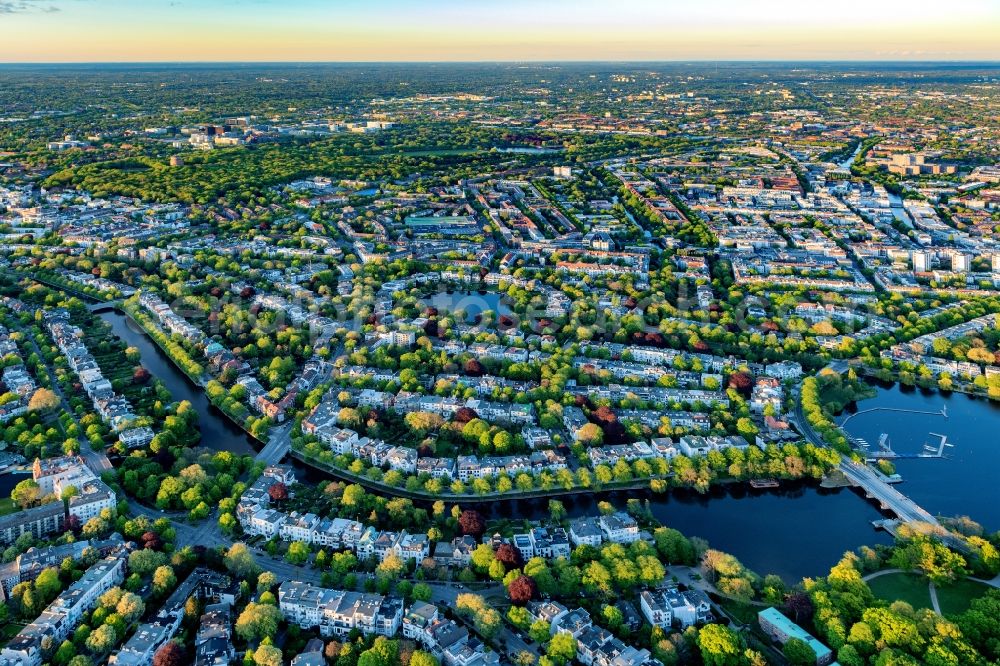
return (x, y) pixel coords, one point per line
(911, 588)
(7, 506)
(739, 611)
(957, 597)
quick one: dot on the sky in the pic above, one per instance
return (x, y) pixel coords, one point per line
(496, 30)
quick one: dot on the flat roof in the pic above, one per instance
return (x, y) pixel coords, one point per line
(792, 630)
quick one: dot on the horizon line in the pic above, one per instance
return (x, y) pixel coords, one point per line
(504, 62)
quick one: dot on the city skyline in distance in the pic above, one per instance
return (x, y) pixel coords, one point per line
(404, 30)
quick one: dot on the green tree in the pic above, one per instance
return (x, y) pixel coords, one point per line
(719, 646)
(561, 648)
(26, 493)
(164, 580)
(258, 621)
(298, 552)
(240, 562)
(798, 652)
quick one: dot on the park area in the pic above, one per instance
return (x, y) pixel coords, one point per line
(914, 589)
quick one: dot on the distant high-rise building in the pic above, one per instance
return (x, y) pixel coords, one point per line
(961, 262)
(921, 262)
(562, 172)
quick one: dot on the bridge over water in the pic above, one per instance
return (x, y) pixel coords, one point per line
(890, 499)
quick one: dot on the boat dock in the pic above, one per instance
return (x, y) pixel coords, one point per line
(886, 452)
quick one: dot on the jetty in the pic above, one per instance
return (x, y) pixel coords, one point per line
(942, 412)
(886, 452)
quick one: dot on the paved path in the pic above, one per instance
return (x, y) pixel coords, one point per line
(931, 590)
(992, 582)
(881, 572)
(934, 600)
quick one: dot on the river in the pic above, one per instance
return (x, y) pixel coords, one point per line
(962, 483)
(217, 432)
(795, 531)
(849, 162)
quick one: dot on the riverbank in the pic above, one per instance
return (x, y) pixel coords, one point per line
(471, 498)
(219, 431)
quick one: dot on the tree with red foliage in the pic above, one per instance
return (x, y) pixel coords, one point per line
(247, 292)
(522, 590)
(73, 524)
(96, 271)
(216, 292)
(152, 540)
(614, 431)
(769, 326)
(431, 328)
(799, 606)
(474, 368)
(505, 321)
(472, 523)
(741, 381)
(171, 654)
(509, 556)
(278, 492)
(701, 346)
(464, 415)
(141, 375)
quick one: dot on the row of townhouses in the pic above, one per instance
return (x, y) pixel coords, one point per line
(113, 408)
(60, 618)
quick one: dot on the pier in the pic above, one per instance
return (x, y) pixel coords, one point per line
(886, 452)
(943, 412)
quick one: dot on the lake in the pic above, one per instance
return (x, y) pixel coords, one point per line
(474, 303)
(217, 432)
(962, 483)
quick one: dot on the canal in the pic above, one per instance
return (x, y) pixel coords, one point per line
(217, 432)
(961, 484)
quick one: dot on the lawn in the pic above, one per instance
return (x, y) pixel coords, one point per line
(910, 588)
(9, 630)
(7, 506)
(957, 597)
(742, 613)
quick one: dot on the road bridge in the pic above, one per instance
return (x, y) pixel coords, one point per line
(890, 499)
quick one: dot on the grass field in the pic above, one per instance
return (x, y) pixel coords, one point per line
(910, 588)
(957, 597)
(7, 506)
(742, 613)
